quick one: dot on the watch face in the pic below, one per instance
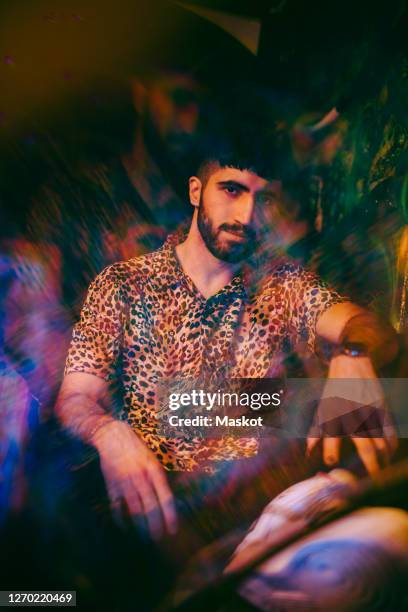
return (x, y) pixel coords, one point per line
(354, 349)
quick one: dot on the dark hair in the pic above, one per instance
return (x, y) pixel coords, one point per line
(249, 137)
(269, 164)
(263, 149)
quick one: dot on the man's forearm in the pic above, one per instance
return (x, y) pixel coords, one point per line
(375, 334)
(82, 415)
(348, 323)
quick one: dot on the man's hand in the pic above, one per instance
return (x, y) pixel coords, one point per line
(135, 477)
(359, 387)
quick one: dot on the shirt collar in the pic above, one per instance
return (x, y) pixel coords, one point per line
(237, 287)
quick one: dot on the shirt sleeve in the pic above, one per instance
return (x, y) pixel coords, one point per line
(308, 297)
(97, 338)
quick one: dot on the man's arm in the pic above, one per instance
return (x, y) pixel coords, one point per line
(84, 399)
(81, 405)
(347, 324)
(134, 477)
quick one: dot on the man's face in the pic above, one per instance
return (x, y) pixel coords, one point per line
(234, 211)
(173, 111)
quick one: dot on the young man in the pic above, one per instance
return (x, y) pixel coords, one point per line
(189, 309)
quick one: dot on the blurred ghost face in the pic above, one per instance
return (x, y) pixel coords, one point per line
(172, 112)
(234, 212)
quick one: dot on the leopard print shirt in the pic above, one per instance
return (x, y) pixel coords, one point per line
(145, 321)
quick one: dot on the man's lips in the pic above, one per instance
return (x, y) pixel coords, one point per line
(237, 234)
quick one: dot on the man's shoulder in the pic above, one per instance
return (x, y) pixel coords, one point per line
(148, 265)
(137, 269)
(278, 269)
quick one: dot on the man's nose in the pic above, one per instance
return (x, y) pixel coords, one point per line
(246, 210)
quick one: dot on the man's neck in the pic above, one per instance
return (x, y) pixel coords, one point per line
(208, 273)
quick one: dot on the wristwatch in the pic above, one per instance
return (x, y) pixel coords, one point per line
(353, 349)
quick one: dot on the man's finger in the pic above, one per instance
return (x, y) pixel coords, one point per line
(165, 498)
(391, 437)
(331, 450)
(151, 509)
(116, 502)
(113, 491)
(382, 446)
(130, 495)
(311, 443)
(368, 454)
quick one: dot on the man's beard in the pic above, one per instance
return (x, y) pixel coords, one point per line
(229, 251)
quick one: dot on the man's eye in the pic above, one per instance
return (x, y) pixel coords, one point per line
(231, 189)
(266, 200)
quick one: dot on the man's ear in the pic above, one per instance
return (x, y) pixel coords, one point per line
(195, 187)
